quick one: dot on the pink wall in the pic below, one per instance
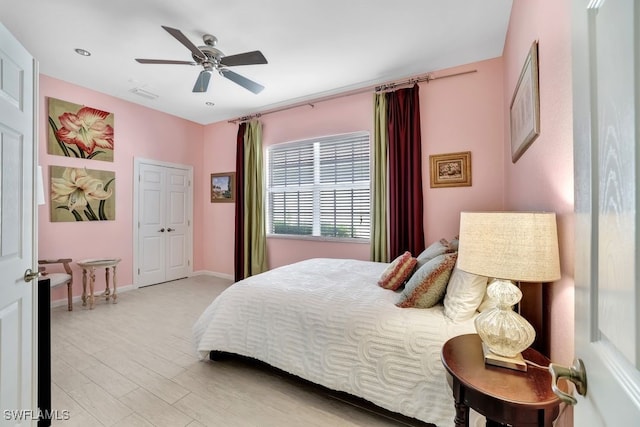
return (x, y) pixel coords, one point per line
(542, 179)
(139, 132)
(458, 114)
(463, 113)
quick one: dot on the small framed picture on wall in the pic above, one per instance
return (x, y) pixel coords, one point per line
(450, 170)
(223, 187)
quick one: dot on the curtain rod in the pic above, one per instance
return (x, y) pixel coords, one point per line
(380, 88)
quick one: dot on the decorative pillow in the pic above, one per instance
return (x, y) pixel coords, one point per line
(454, 243)
(428, 285)
(436, 248)
(464, 294)
(397, 272)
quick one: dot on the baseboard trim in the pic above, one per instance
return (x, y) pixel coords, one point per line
(78, 298)
(212, 273)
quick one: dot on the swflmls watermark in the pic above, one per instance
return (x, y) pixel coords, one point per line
(34, 415)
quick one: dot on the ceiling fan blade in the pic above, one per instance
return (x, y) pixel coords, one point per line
(242, 81)
(247, 58)
(164, 61)
(185, 41)
(202, 84)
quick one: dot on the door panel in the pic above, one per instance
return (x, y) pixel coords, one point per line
(17, 225)
(177, 220)
(606, 153)
(613, 27)
(11, 149)
(151, 240)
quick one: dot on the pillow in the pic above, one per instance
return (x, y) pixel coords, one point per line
(397, 272)
(464, 294)
(454, 243)
(428, 285)
(436, 248)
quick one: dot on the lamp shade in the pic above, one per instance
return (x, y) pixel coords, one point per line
(519, 246)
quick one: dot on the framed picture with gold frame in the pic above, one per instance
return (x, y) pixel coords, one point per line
(223, 187)
(451, 169)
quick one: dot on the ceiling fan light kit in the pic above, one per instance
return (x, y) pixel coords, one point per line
(212, 58)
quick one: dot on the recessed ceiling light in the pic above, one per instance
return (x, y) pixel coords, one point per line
(210, 104)
(82, 52)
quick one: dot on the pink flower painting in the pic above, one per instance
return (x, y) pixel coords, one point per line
(79, 131)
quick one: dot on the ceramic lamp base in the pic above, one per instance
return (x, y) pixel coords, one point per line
(516, 363)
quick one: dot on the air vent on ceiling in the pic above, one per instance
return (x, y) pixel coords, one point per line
(143, 93)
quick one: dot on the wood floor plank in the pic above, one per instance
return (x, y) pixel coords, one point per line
(155, 410)
(77, 415)
(104, 407)
(110, 380)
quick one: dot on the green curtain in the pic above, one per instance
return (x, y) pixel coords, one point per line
(255, 240)
(379, 251)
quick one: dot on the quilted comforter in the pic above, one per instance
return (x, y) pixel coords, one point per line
(327, 321)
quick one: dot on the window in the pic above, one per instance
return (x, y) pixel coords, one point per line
(320, 187)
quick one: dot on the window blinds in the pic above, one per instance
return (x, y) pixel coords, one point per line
(320, 187)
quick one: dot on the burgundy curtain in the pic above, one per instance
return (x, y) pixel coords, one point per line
(239, 236)
(406, 228)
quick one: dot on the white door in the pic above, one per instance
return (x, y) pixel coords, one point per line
(606, 78)
(177, 219)
(164, 237)
(17, 225)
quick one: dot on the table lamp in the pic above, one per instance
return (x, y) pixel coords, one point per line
(508, 246)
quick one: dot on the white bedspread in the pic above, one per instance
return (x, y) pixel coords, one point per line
(327, 321)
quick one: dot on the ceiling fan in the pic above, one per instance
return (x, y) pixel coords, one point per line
(211, 58)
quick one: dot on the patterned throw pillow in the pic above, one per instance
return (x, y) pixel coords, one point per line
(436, 248)
(428, 285)
(397, 272)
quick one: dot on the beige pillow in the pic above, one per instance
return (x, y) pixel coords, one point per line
(464, 295)
(428, 285)
(397, 272)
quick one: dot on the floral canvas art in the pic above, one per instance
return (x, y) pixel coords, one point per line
(79, 194)
(79, 131)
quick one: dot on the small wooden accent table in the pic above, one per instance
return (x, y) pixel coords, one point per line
(503, 396)
(91, 265)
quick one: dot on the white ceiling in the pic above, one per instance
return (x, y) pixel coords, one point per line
(315, 48)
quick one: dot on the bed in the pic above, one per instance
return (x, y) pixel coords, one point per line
(328, 321)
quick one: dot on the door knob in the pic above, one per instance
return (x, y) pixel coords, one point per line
(575, 373)
(161, 230)
(170, 230)
(29, 275)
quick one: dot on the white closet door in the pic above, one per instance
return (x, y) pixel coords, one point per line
(164, 237)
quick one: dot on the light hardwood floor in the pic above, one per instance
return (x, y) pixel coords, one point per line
(132, 364)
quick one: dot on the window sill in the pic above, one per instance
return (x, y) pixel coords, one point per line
(319, 238)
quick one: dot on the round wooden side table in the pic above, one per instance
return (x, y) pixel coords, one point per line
(504, 396)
